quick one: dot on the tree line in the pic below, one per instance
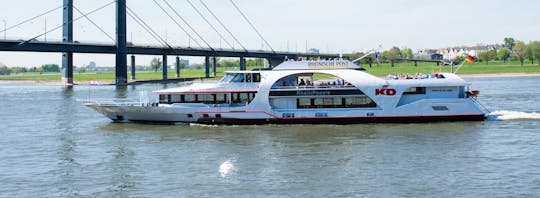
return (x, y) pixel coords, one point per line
(513, 50)
(4, 70)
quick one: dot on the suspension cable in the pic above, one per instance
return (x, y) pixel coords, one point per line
(252, 26)
(57, 27)
(148, 28)
(210, 24)
(223, 25)
(178, 24)
(145, 28)
(190, 27)
(101, 29)
(27, 20)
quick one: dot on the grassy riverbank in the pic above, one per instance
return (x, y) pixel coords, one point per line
(378, 70)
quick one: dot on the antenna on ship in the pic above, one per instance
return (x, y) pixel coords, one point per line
(367, 54)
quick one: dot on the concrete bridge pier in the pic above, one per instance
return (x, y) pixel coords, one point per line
(207, 66)
(242, 63)
(121, 43)
(177, 67)
(164, 66)
(132, 67)
(214, 65)
(67, 37)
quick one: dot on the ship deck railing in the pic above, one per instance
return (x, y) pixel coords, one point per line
(117, 102)
(299, 87)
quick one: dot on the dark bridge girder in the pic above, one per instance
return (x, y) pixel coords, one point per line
(37, 46)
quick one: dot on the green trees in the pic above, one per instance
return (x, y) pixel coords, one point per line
(534, 51)
(509, 43)
(503, 54)
(407, 53)
(519, 51)
(50, 68)
(487, 56)
(155, 64)
(4, 70)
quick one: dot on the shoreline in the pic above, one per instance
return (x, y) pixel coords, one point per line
(86, 83)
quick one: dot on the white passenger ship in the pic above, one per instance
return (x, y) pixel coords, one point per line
(314, 92)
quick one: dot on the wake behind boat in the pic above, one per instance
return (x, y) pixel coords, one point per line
(313, 92)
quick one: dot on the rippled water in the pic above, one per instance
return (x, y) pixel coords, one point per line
(53, 146)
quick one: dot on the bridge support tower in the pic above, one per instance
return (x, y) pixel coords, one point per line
(121, 43)
(67, 37)
(164, 58)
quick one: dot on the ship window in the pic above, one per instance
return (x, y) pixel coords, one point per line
(256, 77)
(205, 98)
(238, 78)
(221, 98)
(439, 108)
(244, 97)
(328, 101)
(248, 77)
(304, 102)
(227, 78)
(189, 98)
(163, 98)
(318, 102)
(347, 102)
(176, 98)
(415, 90)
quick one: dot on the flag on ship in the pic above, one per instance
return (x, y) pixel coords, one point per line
(469, 59)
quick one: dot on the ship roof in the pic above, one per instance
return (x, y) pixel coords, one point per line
(317, 65)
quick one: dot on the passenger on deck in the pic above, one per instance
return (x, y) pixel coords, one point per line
(302, 82)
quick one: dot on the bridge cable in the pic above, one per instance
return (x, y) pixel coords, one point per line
(141, 22)
(210, 24)
(25, 21)
(178, 24)
(192, 29)
(223, 25)
(57, 27)
(101, 29)
(146, 27)
(252, 26)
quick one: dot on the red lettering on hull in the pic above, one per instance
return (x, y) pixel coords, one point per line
(385, 91)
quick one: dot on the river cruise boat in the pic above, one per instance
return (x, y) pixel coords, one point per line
(307, 92)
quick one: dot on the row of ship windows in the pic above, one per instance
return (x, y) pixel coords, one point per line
(220, 98)
(335, 102)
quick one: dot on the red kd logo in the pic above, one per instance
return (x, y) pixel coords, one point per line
(385, 91)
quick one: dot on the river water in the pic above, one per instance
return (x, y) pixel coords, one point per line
(52, 146)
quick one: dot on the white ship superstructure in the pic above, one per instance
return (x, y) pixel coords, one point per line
(336, 91)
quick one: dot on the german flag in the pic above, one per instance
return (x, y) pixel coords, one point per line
(469, 59)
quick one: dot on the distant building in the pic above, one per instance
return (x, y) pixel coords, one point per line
(452, 53)
(313, 51)
(436, 56)
(185, 62)
(91, 65)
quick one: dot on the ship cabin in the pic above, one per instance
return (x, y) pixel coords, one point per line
(236, 88)
(316, 91)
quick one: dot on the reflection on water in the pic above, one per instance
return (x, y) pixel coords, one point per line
(51, 145)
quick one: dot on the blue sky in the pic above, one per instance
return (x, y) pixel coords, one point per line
(331, 26)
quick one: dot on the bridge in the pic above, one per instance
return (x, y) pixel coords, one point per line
(122, 48)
